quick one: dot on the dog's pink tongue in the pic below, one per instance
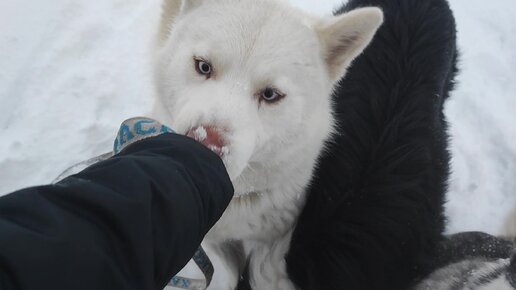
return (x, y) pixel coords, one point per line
(209, 137)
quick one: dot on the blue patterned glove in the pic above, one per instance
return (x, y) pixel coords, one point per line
(136, 129)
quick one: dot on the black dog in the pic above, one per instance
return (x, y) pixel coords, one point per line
(374, 215)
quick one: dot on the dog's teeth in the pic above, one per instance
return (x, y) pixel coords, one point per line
(200, 134)
(215, 149)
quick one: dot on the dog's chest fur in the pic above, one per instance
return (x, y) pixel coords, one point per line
(262, 223)
(266, 214)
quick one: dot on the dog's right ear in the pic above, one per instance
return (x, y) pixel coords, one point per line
(171, 9)
(344, 37)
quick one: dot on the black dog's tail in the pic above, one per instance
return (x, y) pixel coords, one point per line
(375, 208)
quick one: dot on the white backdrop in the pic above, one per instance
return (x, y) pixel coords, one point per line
(72, 70)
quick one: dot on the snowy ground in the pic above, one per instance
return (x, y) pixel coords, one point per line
(72, 70)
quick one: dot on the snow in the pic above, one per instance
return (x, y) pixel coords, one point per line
(482, 115)
(72, 71)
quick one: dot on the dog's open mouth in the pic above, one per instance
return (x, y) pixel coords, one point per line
(210, 137)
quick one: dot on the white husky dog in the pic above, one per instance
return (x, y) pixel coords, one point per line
(252, 80)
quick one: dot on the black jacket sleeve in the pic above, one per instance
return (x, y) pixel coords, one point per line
(130, 222)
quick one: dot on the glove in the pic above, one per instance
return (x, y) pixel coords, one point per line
(136, 129)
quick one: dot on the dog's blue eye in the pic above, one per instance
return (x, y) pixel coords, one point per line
(271, 95)
(203, 67)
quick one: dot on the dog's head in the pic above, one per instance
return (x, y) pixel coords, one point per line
(252, 79)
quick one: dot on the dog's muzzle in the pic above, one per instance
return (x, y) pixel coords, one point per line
(211, 137)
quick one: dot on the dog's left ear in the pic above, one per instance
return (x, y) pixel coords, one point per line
(170, 10)
(344, 37)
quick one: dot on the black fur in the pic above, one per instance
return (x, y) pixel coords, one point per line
(375, 209)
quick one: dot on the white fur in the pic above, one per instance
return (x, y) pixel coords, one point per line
(510, 225)
(271, 149)
(500, 283)
(462, 276)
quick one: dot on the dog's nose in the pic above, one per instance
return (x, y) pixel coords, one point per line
(210, 137)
